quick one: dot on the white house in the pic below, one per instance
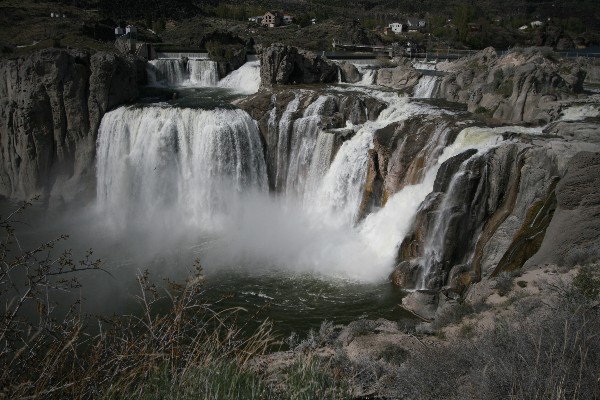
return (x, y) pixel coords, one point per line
(397, 27)
(256, 20)
(536, 24)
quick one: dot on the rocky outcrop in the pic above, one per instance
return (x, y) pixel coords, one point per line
(349, 73)
(573, 236)
(268, 108)
(403, 77)
(285, 65)
(52, 102)
(522, 86)
(530, 200)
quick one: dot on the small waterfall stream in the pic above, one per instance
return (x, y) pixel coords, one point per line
(202, 73)
(427, 86)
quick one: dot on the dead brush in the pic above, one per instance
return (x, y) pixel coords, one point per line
(46, 352)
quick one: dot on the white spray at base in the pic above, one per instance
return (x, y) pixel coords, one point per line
(200, 173)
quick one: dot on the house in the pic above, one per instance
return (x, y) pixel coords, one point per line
(256, 20)
(272, 19)
(397, 27)
(415, 24)
(313, 21)
(287, 18)
(536, 24)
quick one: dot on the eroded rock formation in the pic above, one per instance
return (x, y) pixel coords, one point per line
(284, 65)
(276, 112)
(522, 86)
(52, 102)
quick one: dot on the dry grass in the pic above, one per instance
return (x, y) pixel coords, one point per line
(47, 352)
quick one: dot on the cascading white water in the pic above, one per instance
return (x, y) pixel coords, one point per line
(319, 164)
(283, 142)
(166, 72)
(245, 79)
(303, 141)
(426, 87)
(176, 167)
(174, 73)
(368, 74)
(202, 73)
(480, 139)
(339, 194)
(197, 169)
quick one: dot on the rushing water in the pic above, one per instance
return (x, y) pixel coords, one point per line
(182, 176)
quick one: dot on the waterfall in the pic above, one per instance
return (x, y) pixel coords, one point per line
(319, 164)
(283, 142)
(173, 72)
(202, 73)
(166, 72)
(245, 79)
(195, 170)
(303, 141)
(176, 166)
(368, 74)
(427, 87)
(480, 139)
(339, 194)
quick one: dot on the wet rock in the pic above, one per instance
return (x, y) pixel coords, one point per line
(349, 72)
(405, 275)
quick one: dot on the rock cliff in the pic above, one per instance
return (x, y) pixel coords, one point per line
(527, 201)
(52, 102)
(269, 107)
(521, 86)
(284, 65)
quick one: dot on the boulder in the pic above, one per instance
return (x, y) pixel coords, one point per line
(285, 65)
(349, 73)
(402, 77)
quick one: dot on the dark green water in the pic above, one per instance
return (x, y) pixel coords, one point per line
(295, 302)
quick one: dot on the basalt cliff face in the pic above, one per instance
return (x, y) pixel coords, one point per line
(521, 86)
(52, 102)
(282, 114)
(526, 201)
(284, 65)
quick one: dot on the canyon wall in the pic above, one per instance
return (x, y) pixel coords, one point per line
(52, 102)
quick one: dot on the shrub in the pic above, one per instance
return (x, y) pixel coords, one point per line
(504, 283)
(587, 282)
(541, 351)
(52, 355)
